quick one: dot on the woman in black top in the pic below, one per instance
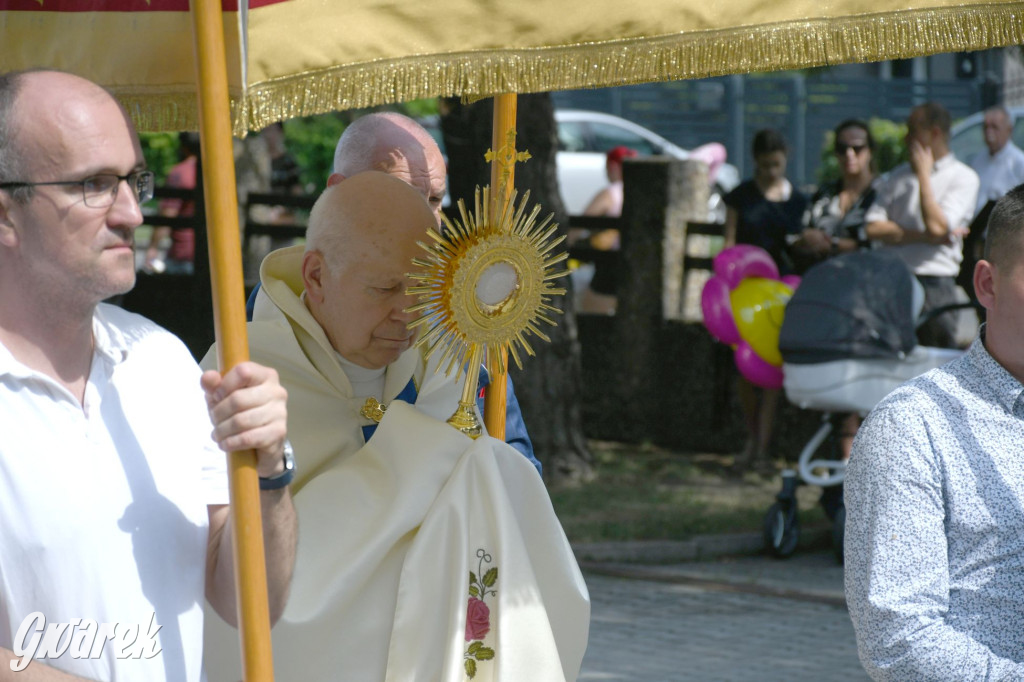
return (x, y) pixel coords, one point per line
(766, 211)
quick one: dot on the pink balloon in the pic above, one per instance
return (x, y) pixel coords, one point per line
(717, 310)
(791, 281)
(756, 370)
(744, 260)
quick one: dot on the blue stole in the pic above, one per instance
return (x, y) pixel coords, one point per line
(408, 394)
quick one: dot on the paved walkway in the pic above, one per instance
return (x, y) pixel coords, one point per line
(751, 618)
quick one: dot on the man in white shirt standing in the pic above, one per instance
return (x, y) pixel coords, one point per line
(114, 521)
(1001, 168)
(922, 212)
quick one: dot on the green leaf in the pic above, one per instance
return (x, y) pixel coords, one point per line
(470, 668)
(491, 577)
(472, 577)
(474, 647)
(484, 654)
(474, 591)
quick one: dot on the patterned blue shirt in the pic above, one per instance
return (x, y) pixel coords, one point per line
(935, 527)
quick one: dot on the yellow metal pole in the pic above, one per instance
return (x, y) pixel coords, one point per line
(229, 322)
(503, 143)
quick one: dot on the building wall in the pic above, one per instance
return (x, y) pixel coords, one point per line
(1013, 77)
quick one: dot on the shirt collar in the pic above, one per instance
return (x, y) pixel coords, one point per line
(9, 365)
(1003, 385)
(110, 342)
(945, 161)
(1002, 153)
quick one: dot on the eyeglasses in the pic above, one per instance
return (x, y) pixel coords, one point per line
(841, 148)
(100, 191)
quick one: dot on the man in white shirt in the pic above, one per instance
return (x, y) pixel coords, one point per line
(923, 211)
(1001, 168)
(114, 525)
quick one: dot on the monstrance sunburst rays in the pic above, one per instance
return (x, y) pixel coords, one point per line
(483, 288)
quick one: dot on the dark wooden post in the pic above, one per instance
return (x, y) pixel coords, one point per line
(661, 196)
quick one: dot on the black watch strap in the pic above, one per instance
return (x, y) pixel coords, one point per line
(285, 477)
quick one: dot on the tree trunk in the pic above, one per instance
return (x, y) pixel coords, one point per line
(549, 388)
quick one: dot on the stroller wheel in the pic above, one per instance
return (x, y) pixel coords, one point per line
(781, 529)
(839, 532)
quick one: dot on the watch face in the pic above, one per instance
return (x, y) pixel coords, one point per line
(289, 457)
(285, 477)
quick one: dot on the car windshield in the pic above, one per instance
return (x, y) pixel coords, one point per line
(607, 137)
(598, 138)
(967, 143)
(572, 137)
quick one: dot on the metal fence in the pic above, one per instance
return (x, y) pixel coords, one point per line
(803, 107)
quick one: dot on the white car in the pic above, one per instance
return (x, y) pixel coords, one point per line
(584, 137)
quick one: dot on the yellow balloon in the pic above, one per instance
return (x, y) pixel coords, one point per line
(759, 305)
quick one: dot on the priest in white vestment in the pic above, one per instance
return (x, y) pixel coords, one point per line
(423, 554)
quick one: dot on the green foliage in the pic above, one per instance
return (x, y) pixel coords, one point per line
(311, 142)
(470, 668)
(420, 107)
(491, 577)
(889, 149)
(161, 152)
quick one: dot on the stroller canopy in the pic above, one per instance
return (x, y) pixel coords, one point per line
(858, 305)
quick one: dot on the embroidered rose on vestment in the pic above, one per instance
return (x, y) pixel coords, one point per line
(478, 613)
(478, 619)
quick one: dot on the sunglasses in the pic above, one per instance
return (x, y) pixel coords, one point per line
(841, 148)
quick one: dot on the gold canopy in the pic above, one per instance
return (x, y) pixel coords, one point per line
(301, 57)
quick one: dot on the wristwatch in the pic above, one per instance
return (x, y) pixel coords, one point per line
(285, 477)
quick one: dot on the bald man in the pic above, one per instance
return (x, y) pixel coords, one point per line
(399, 146)
(396, 507)
(1000, 167)
(113, 520)
(396, 145)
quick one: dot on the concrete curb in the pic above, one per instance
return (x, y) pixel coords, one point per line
(679, 575)
(696, 562)
(699, 548)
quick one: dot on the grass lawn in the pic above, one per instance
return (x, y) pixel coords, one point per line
(642, 492)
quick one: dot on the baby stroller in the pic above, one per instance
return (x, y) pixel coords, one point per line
(848, 339)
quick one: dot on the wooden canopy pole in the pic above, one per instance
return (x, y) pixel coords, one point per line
(229, 323)
(503, 145)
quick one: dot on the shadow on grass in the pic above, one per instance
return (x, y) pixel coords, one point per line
(642, 492)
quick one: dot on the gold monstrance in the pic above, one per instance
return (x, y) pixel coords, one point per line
(484, 287)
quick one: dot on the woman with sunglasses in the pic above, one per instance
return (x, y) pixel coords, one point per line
(834, 223)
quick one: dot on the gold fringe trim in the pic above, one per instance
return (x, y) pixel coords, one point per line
(170, 111)
(786, 45)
